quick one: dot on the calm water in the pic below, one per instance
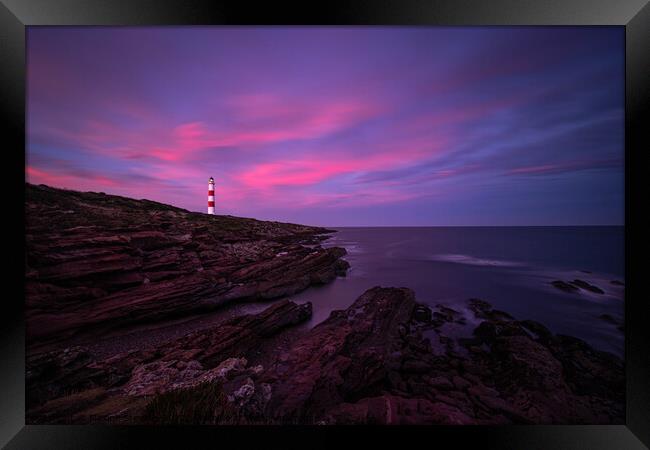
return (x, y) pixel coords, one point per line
(511, 267)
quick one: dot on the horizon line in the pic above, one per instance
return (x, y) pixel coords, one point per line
(331, 226)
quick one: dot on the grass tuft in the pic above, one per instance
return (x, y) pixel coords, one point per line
(205, 404)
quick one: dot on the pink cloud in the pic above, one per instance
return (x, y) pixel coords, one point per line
(269, 118)
(295, 173)
(86, 181)
(185, 139)
(312, 171)
(189, 131)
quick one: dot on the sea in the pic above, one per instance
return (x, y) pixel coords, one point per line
(510, 267)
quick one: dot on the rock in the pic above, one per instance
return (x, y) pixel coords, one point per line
(439, 382)
(243, 393)
(540, 331)
(608, 318)
(566, 287)
(445, 314)
(223, 345)
(486, 331)
(422, 314)
(520, 379)
(588, 287)
(363, 365)
(161, 376)
(576, 285)
(478, 305)
(184, 362)
(144, 262)
(495, 314)
(416, 366)
(549, 379)
(50, 375)
(460, 383)
(344, 355)
(230, 365)
(499, 406)
(589, 371)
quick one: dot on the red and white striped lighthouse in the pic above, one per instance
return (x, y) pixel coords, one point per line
(211, 196)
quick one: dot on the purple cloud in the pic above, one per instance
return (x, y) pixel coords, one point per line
(336, 126)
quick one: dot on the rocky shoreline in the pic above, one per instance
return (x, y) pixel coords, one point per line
(97, 262)
(386, 359)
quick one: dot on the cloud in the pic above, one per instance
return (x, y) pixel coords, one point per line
(79, 180)
(564, 167)
(292, 121)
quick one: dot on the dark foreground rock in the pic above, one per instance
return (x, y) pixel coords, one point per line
(588, 287)
(97, 263)
(383, 360)
(564, 286)
(57, 380)
(379, 362)
(576, 286)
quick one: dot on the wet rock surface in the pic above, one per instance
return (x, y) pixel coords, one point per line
(97, 262)
(564, 286)
(577, 285)
(383, 360)
(373, 364)
(588, 287)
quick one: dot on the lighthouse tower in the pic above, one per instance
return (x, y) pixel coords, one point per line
(211, 196)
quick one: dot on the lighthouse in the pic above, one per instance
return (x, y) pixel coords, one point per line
(211, 196)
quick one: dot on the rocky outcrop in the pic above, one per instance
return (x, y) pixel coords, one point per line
(53, 374)
(576, 286)
(347, 356)
(213, 355)
(384, 360)
(588, 287)
(564, 286)
(98, 262)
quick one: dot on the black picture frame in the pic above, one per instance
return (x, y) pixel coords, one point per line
(634, 15)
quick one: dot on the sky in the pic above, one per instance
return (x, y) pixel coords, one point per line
(336, 126)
